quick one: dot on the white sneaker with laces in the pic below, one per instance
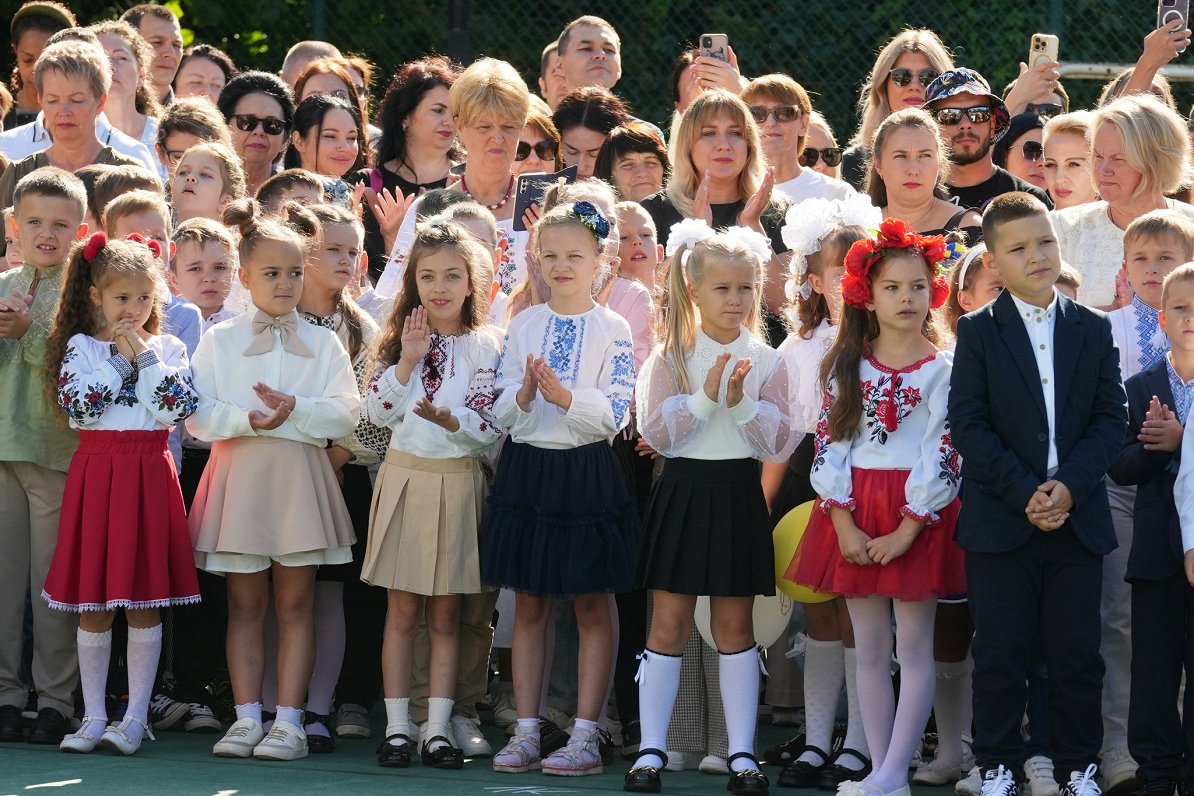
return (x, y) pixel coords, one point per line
(285, 741)
(1119, 772)
(971, 784)
(1083, 783)
(241, 738)
(1038, 772)
(466, 732)
(352, 721)
(999, 782)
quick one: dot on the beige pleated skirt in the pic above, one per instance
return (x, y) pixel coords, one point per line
(270, 498)
(424, 525)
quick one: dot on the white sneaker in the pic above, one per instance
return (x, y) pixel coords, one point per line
(1083, 783)
(712, 764)
(285, 741)
(505, 716)
(682, 761)
(1119, 772)
(1038, 773)
(971, 784)
(937, 772)
(352, 721)
(999, 782)
(466, 733)
(242, 736)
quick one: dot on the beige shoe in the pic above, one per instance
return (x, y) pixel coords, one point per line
(285, 741)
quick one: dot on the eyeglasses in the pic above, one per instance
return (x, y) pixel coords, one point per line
(173, 155)
(1045, 110)
(247, 123)
(544, 150)
(831, 156)
(948, 117)
(782, 113)
(902, 77)
(1033, 150)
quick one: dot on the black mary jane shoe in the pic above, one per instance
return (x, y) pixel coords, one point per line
(802, 774)
(446, 756)
(319, 744)
(645, 779)
(391, 755)
(751, 782)
(835, 773)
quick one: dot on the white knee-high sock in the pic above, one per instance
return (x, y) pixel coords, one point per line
(738, 673)
(144, 648)
(951, 706)
(824, 675)
(95, 650)
(658, 682)
(855, 733)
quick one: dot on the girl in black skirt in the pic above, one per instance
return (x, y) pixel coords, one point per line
(713, 400)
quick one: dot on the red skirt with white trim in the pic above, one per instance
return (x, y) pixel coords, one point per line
(123, 540)
(933, 567)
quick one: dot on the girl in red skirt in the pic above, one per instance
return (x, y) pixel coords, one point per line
(122, 538)
(887, 479)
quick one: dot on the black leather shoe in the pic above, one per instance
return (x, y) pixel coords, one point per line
(801, 774)
(835, 773)
(1162, 786)
(551, 738)
(751, 782)
(644, 779)
(50, 727)
(391, 755)
(605, 746)
(10, 724)
(318, 744)
(447, 757)
(787, 751)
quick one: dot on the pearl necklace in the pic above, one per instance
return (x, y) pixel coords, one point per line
(506, 198)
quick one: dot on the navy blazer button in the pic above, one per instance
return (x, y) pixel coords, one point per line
(1042, 437)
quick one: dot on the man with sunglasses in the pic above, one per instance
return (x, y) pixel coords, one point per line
(972, 119)
(781, 107)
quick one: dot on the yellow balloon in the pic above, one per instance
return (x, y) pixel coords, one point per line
(786, 539)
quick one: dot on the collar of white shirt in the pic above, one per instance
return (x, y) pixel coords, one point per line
(1029, 311)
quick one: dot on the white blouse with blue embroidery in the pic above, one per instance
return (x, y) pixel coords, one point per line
(1136, 330)
(101, 390)
(764, 425)
(591, 354)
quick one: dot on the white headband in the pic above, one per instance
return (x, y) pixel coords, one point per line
(974, 253)
(809, 222)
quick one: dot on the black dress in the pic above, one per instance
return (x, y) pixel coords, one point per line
(374, 245)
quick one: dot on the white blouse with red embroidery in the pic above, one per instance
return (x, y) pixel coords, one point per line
(904, 427)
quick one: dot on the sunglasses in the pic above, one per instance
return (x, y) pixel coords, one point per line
(782, 113)
(948, 117)
(1033, 150)
(247, 123)
(832, 156)
(902, 77)
(1045, 110)
(544, 150)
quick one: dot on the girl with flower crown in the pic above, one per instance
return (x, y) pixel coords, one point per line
(713, 400)
(887, 478)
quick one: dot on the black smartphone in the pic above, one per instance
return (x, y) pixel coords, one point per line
(530, 189)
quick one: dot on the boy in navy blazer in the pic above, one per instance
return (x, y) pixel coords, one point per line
(1036, 410)
(1159, 399)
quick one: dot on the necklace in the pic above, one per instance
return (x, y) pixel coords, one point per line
(504, 199)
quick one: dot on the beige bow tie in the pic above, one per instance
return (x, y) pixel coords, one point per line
(263, 335)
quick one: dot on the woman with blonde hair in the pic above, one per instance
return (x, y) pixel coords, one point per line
(1067, 160)
(903, 70)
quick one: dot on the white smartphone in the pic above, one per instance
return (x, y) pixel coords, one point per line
(715, 45)
(1043, 49)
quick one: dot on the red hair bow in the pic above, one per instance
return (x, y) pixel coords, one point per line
(95, 245)
(893, 234)
(153, 245)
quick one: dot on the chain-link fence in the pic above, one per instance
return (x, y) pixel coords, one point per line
(827, 46)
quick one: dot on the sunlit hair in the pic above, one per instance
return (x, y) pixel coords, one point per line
(542, 122)
(914, 118)
(630, 138)
(1164, 224)
(338, 68)
(255, 227)
(75, 60)
(410, 85)
(685, 178)
(202, 231)
(489, 87)
(429, 240)
(1182, 274)
(1008, 207)
(475, 211)
(1114, 88)
(856, 329)
(681, 327)
(309, 117)
(1073, 123)
(146, 99)
(53, 19)
(590, 21)
(782, 90)
(77, 313)
(873, 107)
(962, 278)
(231, 170)
(195, 115)
(137, 202)
(52, 182)
(114, 182)
(1155, 140)
(814, 310)
(272, 190)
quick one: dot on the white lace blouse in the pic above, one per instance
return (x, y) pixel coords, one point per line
(804, 358)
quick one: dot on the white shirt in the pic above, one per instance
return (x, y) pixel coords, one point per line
(462, 381)
(591, 354)
(679, 423)
(804, 359)
(28, 139)
(1183, 492)
(904, 427)
(377, 305)
(1136, 330)
(102, 391)
(1040, 323)
(224, 313)
(814, 185)
(327, 401)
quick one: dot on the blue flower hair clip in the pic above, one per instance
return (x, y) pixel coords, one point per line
(591, 217)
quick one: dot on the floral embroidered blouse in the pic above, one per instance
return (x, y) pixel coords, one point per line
(457, 373)
(101, 390)
(764, 425)
(904, 427)
(592, 355)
